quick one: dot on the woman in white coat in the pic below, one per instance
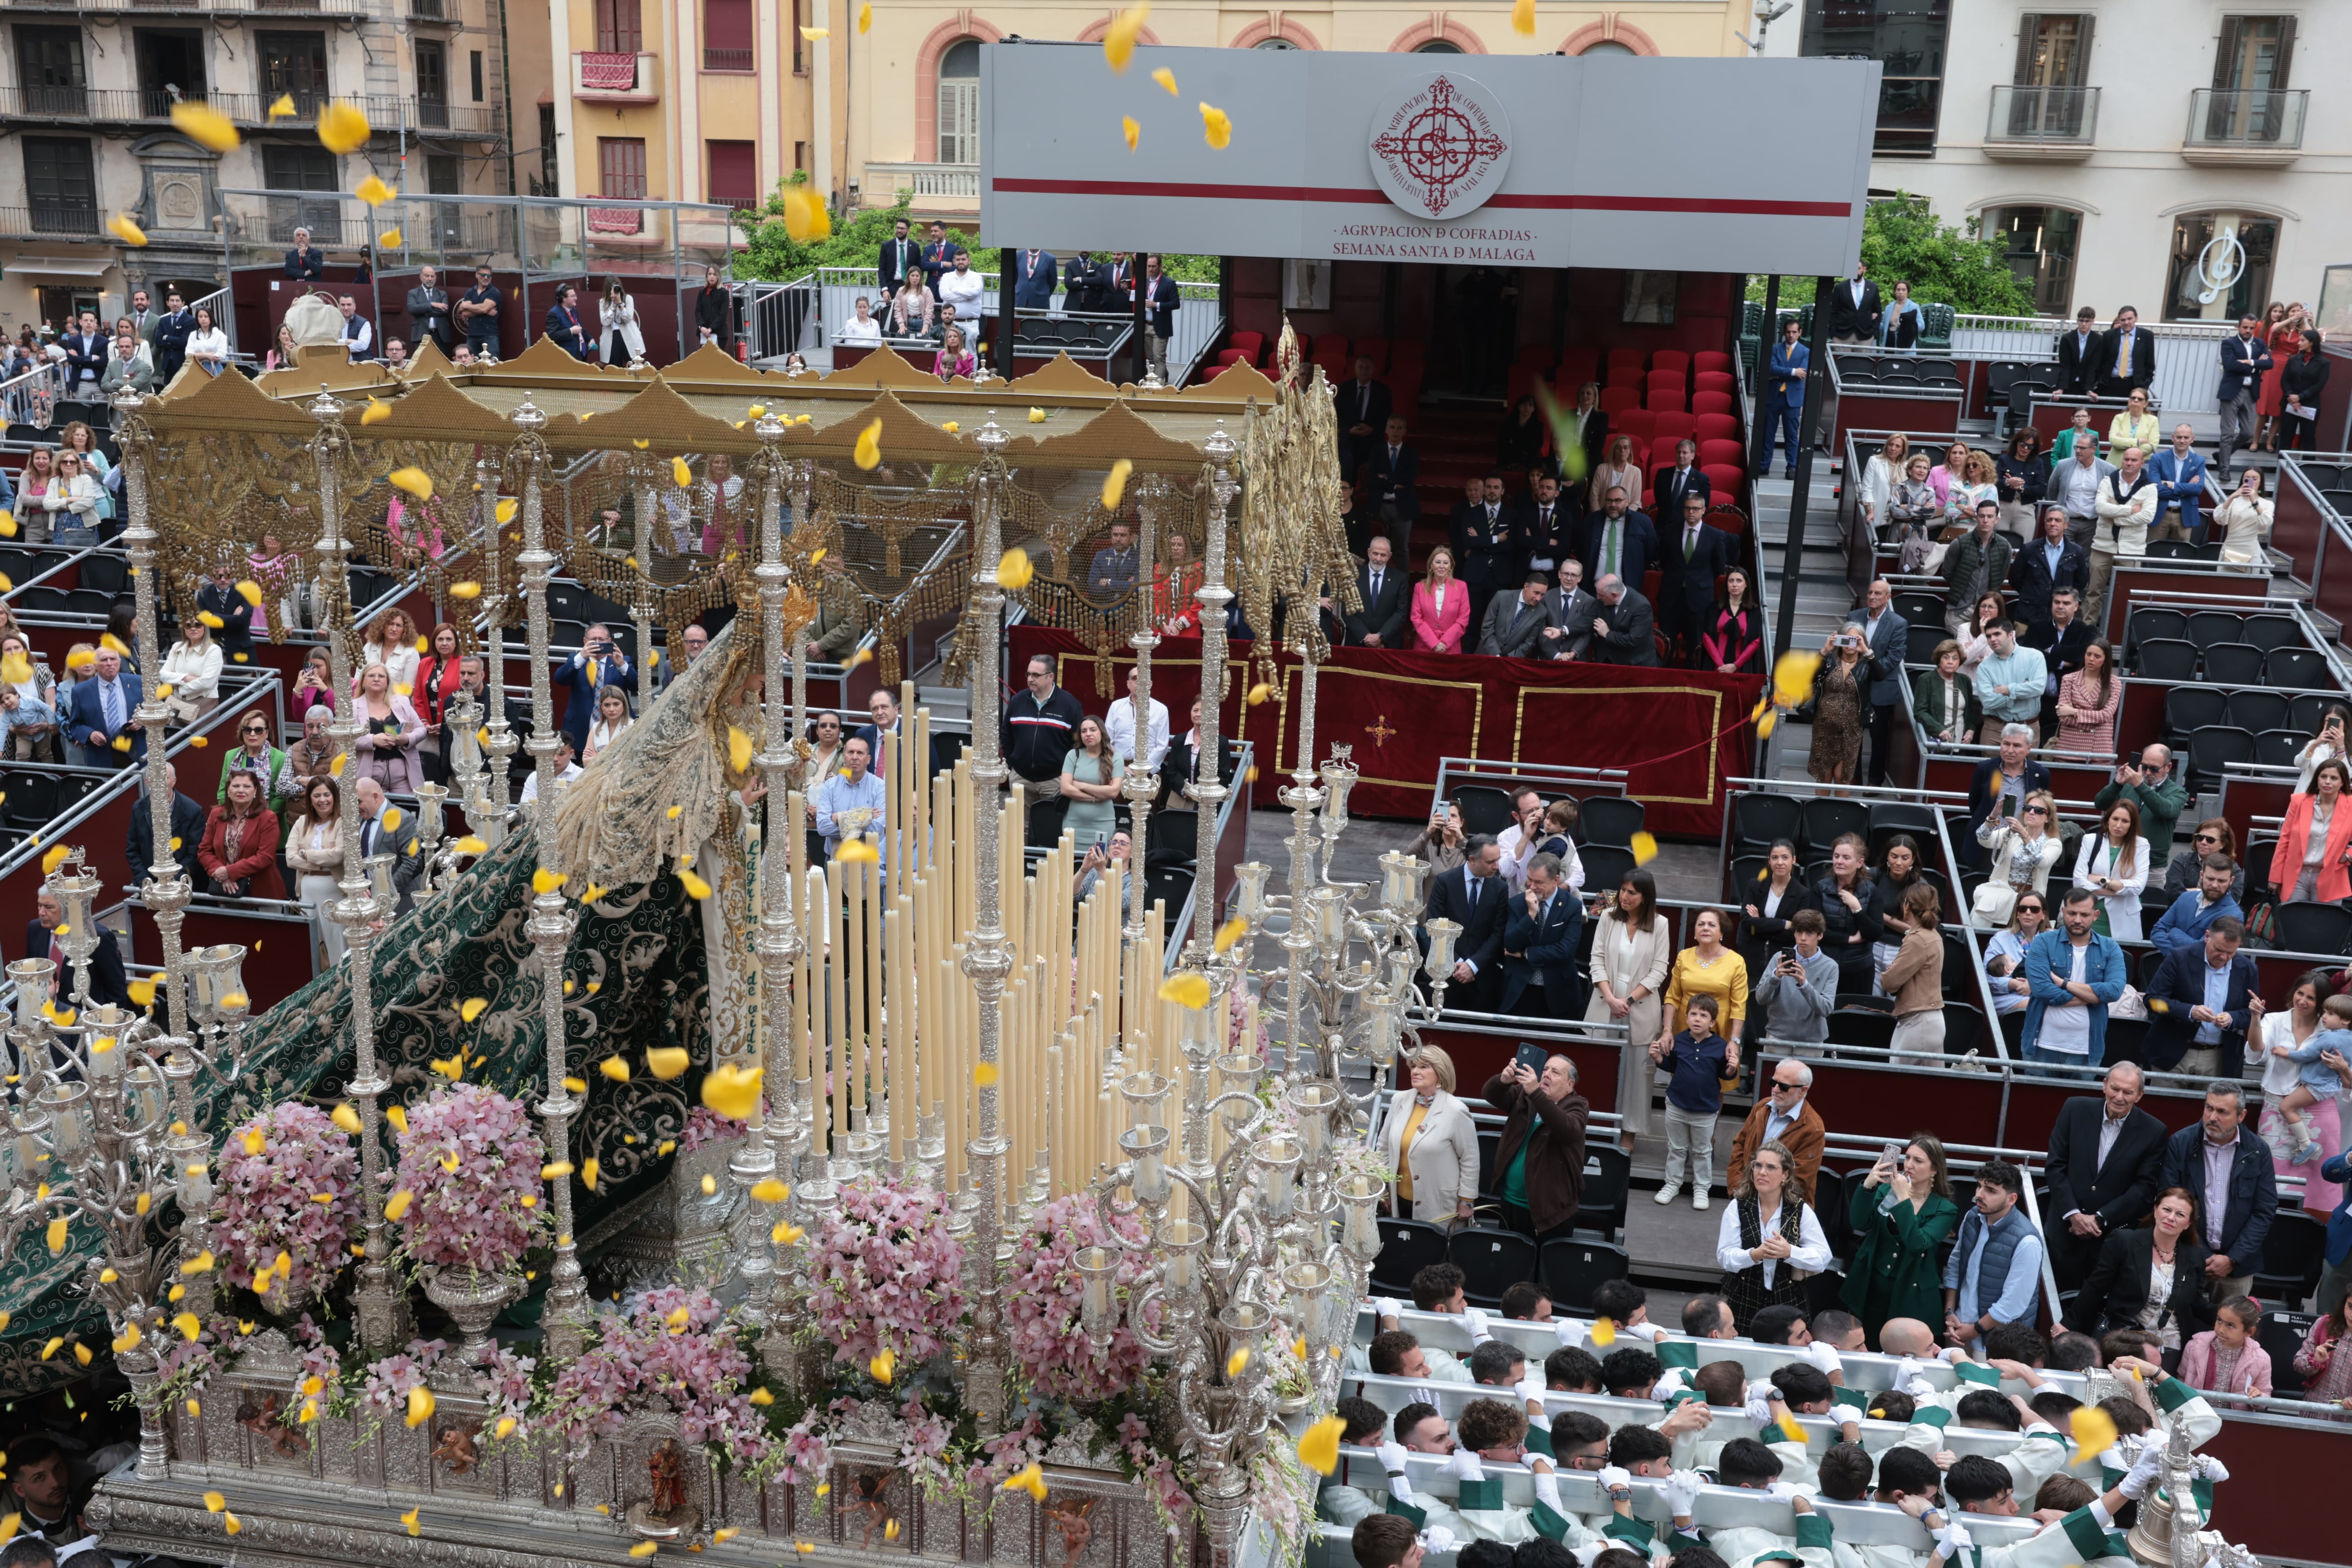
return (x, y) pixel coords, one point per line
(619, 313)
(1429, 1141)
(2018, 852)
(1632, 949)
(2113, 863)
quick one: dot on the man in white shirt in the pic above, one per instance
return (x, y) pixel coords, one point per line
(359, 333)
(962, 288)
(1519, 840)
(1120, 726)
(566, 770)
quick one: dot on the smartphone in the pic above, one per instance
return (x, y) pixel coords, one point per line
(1531, 1057)
(1891, 1156)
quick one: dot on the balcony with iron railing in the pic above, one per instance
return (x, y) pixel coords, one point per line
(2243, 126)
(385, 112)
(615, 77)
(946, 187)
(731, 60)
(51, 220)
(2041, 124)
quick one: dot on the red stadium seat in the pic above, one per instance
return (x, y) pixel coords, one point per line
(1578, 366)
(1521, 380)
(1673, 378)
(1714, 381)
(1720, 451)
(1664, 398)
(1729, 481)
(1616, 400)
(1627, 376)
(1717, 426)
(1638, 422)
(1710, 360)
(1675, 427)
(1729, 519)
(1633, 358)
(1673, 359)
(1252, 344)
(1711, 403)
(1537, 354)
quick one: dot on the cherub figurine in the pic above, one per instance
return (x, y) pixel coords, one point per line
(1074, 1516)
(456, 1448)
(866, 1491)
(264, 1419)
(667, 1471)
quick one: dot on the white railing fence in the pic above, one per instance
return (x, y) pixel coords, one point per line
(2188, 354)
(1198, 321)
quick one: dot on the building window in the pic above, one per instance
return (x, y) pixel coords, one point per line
(170, 66)
(1905, 35)
(49, 70)
(1273, 44)
(800, 57)
(959, 103)
(734, 173)
(800, 156)
(60, 184)
(619, 31)
(621, 166)
(2040, 244)
(443, 176)
(1438, 46)
(2226, 255)
(291, 167)
(727, 35)
(474, 65)
(433, 84)
(294, 63)
(548, 182)
(1606, 46)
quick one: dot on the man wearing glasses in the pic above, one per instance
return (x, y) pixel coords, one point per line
(2157, 791)
(1784, 1114)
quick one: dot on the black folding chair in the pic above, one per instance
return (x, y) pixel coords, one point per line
(1407, 1246)
(1491, 1261)
(1572, 1268)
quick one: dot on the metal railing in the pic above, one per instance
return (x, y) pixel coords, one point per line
(1199, 323)
(2246, 117)
(925, 181)
(64, 220)
(1179, 928)
(727, 60)
(387, 113)
(2068, 115)
(2188, 354)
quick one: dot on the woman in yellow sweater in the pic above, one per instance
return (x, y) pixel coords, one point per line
(2135, 426)
(1706, 968)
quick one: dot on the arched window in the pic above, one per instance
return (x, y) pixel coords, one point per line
(1605, 47)
(1277, 43)
(2226, 255)
(1438, 46)
(2040, 244)
(959, 103)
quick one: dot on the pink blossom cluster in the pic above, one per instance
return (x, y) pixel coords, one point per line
(1009, 1451)
(1157, 1471)
(807, 1456)
(691, 1362)
(704, 1125)
(506, 1384)
(269, 1203)
(468, 1212)
(923, 1450)
(385, 1383)
(1043, 1295)
(883, 1274)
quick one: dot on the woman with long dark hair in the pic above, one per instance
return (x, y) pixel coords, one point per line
(1631, 951)
(2300, 386)
(2088, 698)
(1733, 643)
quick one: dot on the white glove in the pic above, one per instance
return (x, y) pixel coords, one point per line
(1531, 1388)
(1674, 1381)
(1954, 1537)
(1681, 1491)
(1438, 1540)
(1952, 1353)
(2206, 1467)
(1569, 1329)
(1650, 1331)
(1385, 1308)
(1614, 1478)
(2115, 1458)
(1760, 1406)
(2145, 1472)
(1463, 1463)
(1911, 1379)
(1824, 1354)
(1391, 1455)
(1480, 1332)
(1784, 1490)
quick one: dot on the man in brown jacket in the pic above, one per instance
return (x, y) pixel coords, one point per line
(1539, 1164)
(1782, 1114)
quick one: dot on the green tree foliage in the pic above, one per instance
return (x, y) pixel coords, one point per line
(1903, 238)
(858, 239)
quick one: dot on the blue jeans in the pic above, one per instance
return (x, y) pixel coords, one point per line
(2064, 1064)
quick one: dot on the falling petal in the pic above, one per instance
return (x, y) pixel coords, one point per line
(1523, 18)
(398, 1116)
(589, 1170)
(1236, 1361)
(1604, 1332)
(398, 1205)
(1119, 40)
(414, 482)
(1188, 989)
(343, 128)
(122, 228)
(188, 1325)
(1318, 1448)
(667, 1062)
(388, 239)
(739, 749)
(420, 1405)
(284, 107)
(1232, 931)
(882, 1366)
(1645, 849)
(1166, 78)
(205, 126)
(1217, 126)
(1014, 569)
(1037, 416)
(1115, 486)
(868, 454)
(410, 1520)
(806, 217)
(733, 1091)
(372, 191)
(770, 1191)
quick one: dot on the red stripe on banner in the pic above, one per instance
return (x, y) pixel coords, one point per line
(1721, 205)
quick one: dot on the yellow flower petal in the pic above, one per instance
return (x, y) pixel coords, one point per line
(398, 1205)
(2095, 1429)
(806, 217)
(1523, 23)
(398, 1116)
(188, 1325)
(647, 1548)
(813, 33)
(1236, 1361)
(1188, 988)
(1037, 416)
(1318, 1446)
(985, 1075)
(1645, 849)
(882, 1366)
(57, 1234)
(122, 228)
(1014, 569)
(410, 1521)
(721, 1537)
(202, 1263)
(414, 482)
(1118, 41)
(770, 1191)
(343, 128)
(1232, 931)
(1115, 486)
(54, 858)
(1129, 128)
(1604, 1332)
(857, 852)
(420, 1405)
(388, 239)
(667, 1062)
(284, 107)
(215, 1503)
(868, 454)
(761, 1396)
(696, 888)
(709, 1186)
(205, 126)
(472, 1007)
(372, 191)
(1166, 78)
(1260, 692)
(346, 1118)
(376, 412)
(469, 845)
(733, 1091)
(546, 881)
(1216, 127)
(589, 1171)
(739, 749)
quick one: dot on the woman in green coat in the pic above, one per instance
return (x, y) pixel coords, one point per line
(1901, 1215)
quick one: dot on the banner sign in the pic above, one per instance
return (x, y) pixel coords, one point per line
(1615, 161)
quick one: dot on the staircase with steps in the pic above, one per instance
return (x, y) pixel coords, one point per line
(1823, 597)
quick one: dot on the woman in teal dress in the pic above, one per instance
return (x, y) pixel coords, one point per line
(1901, 1214)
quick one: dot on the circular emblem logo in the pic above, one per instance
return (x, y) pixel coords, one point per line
(1440, 146)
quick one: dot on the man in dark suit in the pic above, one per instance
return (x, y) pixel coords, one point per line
(938, 256)
(1514, 623)
(1082, 283)
(1362, 407)
(1669, 485)
(1547, 534)
(2245, 357)
(1486, 557)
(2104, 1157)
(171, 330)
(2062, 639)
(1161, 300)
(1586, 426)
(106, 981)
(1475, 897)
(1890, 641)
(898, 256)
(1568, 610)
(428, 312)
(597, 664)
(407, 862)
(187, 833)
(2205, 985)
(1855, 309)
(1539, 941)
(1790, 365)
(306, 262)
(1625, 631)
(1390, 479)
(1617, 541)
(85, 348)
(2000, 784)
(99, 714)
(1692, 558)
(143, 316)
(2127, 356)
(1387, 596)
(1034, 274)
(563, 323)
(2237, 1189)
(1182, 766)
(2078, 355)
(1118, 281)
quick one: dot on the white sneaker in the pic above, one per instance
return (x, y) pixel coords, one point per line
(1670, 1191)
(1698, 1200)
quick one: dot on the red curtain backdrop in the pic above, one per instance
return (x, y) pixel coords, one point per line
(1679, 733)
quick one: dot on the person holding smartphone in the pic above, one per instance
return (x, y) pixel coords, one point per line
(597, 664)
(1539, 1163)
(1797, 988)
(1902, 1213)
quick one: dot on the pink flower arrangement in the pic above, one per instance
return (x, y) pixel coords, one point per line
(1043, 1297)
(675, 1345)
(883, 1274)
(469, 1162)
(1157, 1471)
(704, 1125)
(269, 1202)
(385, 1388)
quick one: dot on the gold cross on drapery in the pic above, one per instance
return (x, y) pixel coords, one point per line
(1380, 730)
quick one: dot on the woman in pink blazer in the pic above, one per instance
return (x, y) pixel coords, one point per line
(1441, 607)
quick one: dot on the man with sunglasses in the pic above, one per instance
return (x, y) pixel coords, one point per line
(2157, 789)
(1781, 1114)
